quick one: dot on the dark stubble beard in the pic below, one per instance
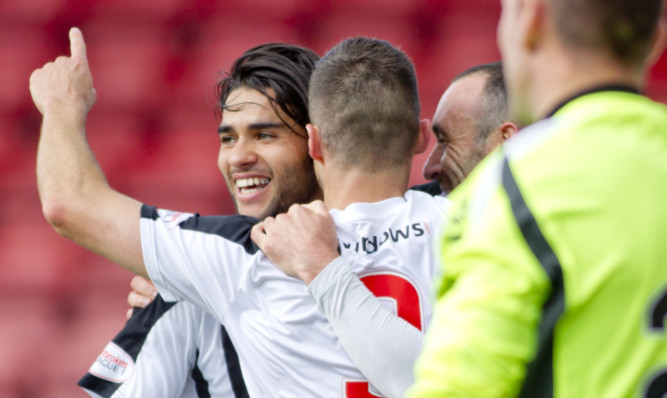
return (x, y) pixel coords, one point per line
(298, 186)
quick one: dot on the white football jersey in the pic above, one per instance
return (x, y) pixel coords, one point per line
(285, 343)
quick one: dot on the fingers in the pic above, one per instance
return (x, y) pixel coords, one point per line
(258, 235)
(317, 207)
(76, 43)
(143, 292)
(143, 287)
(137, 300)
(269, 222)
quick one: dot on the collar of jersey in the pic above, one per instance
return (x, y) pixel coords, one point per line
(369, 210)
(606, 87)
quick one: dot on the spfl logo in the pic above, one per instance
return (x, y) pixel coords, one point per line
(172, 218)
(113, 364)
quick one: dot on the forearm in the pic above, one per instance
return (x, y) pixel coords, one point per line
(67, 172)
(76, 198)
(383, 345)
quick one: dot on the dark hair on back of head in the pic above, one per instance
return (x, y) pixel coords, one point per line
(284, 68)
(623, 28)
(493, 107)
(364, 98)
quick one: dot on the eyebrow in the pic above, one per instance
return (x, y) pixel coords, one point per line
(266, 125)
(253, 126)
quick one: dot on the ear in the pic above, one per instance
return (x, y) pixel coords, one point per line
(659, 39)
(314, 142)
(507, 130)
(533, 23)
(424, 136)
(501, 134)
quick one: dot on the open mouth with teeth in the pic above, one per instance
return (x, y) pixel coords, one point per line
(250, 185)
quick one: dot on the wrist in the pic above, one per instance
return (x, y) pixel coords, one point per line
(60, 107)
(309, 273)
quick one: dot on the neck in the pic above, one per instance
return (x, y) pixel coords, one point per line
(575, 74)
(343, 187)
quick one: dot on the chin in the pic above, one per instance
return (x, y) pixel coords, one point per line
(252, 211)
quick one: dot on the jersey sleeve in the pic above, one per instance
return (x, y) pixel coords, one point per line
(194, 258)
(369, 332)
(491, 299)
(167, 350)
(153, 355)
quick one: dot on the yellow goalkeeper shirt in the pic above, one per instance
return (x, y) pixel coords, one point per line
(555, 261)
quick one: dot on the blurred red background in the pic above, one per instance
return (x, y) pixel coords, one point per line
(153, 130)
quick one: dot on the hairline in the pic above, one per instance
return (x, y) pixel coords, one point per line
(483, 102)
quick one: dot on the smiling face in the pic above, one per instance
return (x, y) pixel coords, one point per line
(458, 150)
(265, 163)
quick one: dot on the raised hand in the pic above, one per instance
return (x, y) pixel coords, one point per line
(65, 82)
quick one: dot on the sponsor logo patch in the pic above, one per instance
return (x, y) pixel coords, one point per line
(172, 218)
(113, 364)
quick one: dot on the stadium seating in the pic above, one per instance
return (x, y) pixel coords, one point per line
(153, 129)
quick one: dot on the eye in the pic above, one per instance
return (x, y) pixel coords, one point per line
(265, 135)
(444, 139)
(227, 139)
(439, 135)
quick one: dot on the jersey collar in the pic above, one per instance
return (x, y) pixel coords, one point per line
(607, 87)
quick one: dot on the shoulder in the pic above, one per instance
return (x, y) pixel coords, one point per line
(194, 221)
(233, 228)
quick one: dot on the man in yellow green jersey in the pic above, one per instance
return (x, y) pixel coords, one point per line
(555, 257)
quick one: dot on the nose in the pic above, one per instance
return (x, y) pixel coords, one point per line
(433, 166)
(242, 154)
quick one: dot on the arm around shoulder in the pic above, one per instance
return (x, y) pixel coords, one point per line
(369, 332)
